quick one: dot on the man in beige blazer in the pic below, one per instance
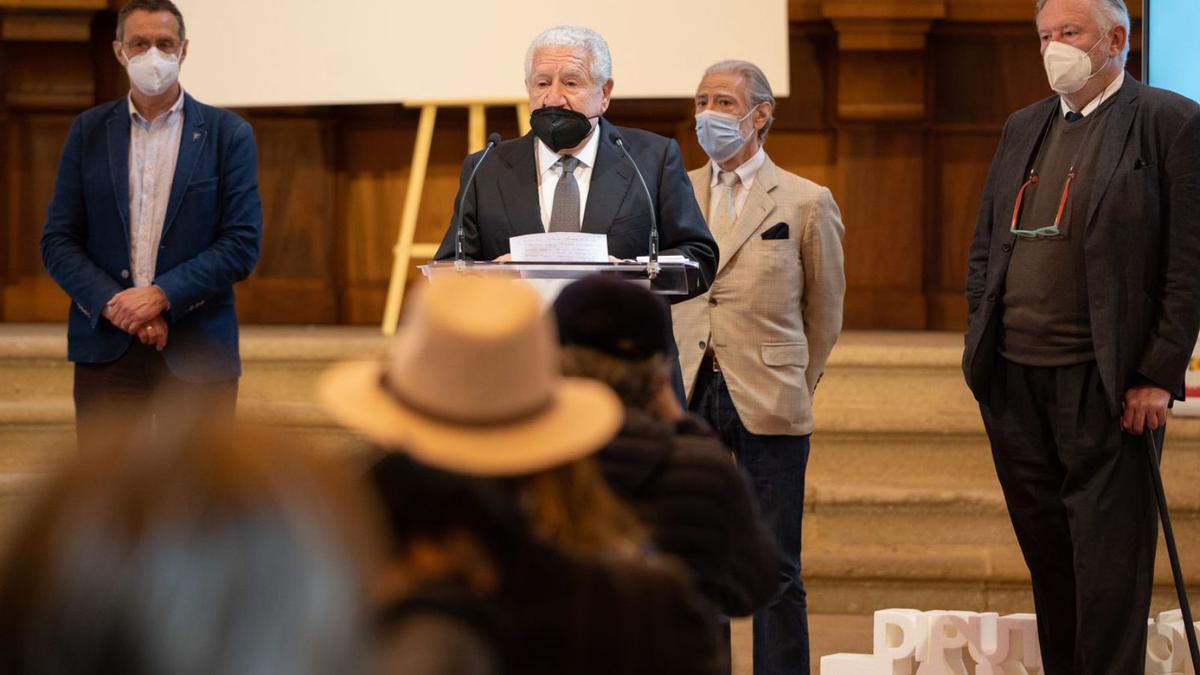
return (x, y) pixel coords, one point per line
(753, 347)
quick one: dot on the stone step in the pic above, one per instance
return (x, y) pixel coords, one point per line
(862, 581)
(903, 507)
(35, 434)
(928, 461)
(279, 363)
(867, 547)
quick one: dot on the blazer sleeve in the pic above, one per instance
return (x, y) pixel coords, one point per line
(235, 248)
(681, 226)
(823, 262)
(64, 236)
(471, 248)
(1173, 337)
(981, 242)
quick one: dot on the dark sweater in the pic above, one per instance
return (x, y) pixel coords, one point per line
(554, 612)
(685, 486)
(1046, 318)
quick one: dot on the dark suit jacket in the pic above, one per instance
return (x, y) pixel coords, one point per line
(211, 236)
(1141, 247)
(504, 201)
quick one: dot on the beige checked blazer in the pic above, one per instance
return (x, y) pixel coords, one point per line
(774, 309)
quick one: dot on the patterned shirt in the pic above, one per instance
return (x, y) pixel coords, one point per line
(153, 151)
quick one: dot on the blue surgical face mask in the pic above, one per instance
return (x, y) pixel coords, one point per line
(720, 134)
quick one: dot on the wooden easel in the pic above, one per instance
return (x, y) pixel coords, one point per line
(406, 249)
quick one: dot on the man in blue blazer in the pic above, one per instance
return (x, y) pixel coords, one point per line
(155, 215)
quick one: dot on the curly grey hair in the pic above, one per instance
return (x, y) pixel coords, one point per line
(576, 37)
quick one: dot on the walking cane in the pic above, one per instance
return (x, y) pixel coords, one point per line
(1189, 628)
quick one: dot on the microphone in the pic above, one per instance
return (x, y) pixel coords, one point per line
(459, 263)
(652, 265)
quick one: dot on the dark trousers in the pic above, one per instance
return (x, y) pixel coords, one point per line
(1080, 499)
(776, 466)
(139, 387)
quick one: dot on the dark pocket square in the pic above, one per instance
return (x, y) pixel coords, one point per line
(779, 231)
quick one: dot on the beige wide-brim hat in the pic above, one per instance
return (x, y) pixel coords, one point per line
(472, 386)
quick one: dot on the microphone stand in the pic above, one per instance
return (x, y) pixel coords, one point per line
(460, 262)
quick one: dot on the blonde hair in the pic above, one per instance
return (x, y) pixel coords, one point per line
(572, 507)
(636, 382)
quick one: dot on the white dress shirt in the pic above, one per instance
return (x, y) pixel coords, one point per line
(746, 173)
(153, 152)
(549, 171)
(1108, 92)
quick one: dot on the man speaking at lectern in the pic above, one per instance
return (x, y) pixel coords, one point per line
(1084, 299)
(569, 175)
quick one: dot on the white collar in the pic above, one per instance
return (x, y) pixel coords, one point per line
(137, 116)
(746, 172)
(1095, 103)
(586, 155)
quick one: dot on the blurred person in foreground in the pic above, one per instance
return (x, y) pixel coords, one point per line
(192, 552)
(488, 475)
(667, 463)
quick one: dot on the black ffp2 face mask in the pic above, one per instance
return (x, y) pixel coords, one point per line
(560, 128)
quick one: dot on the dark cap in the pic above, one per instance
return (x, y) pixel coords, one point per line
(617, 317)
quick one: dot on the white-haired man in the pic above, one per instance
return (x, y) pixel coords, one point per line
(1084, 302)
(525, 188)
(567, 174)
(753, 347)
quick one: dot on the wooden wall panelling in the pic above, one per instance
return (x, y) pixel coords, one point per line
(110, 80)
(1016, 11)
(881, 108)
(984, 73)
(980, 74)
(878, 85)
(294, 280)
(961, 159)
(49, 75)
(59, 4)
(810, 105)
(35, 142)
(376, 151)
(5, 167)
(372, 172)
(47, 79)
(880, 174)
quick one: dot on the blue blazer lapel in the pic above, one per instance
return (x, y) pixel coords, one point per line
(118, 161)
(191, 142)
(518, 187)
(1116, 131)
(611, 178)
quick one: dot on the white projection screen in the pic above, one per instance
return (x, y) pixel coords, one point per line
(329, 52)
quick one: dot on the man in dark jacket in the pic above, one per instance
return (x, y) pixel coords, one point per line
(1083, 306)
(667, 463)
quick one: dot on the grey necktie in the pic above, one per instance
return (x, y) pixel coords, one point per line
(721, 221)
(564, 215)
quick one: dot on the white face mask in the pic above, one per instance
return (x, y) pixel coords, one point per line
(720, 134)
(1069, 68)
(153, 72)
